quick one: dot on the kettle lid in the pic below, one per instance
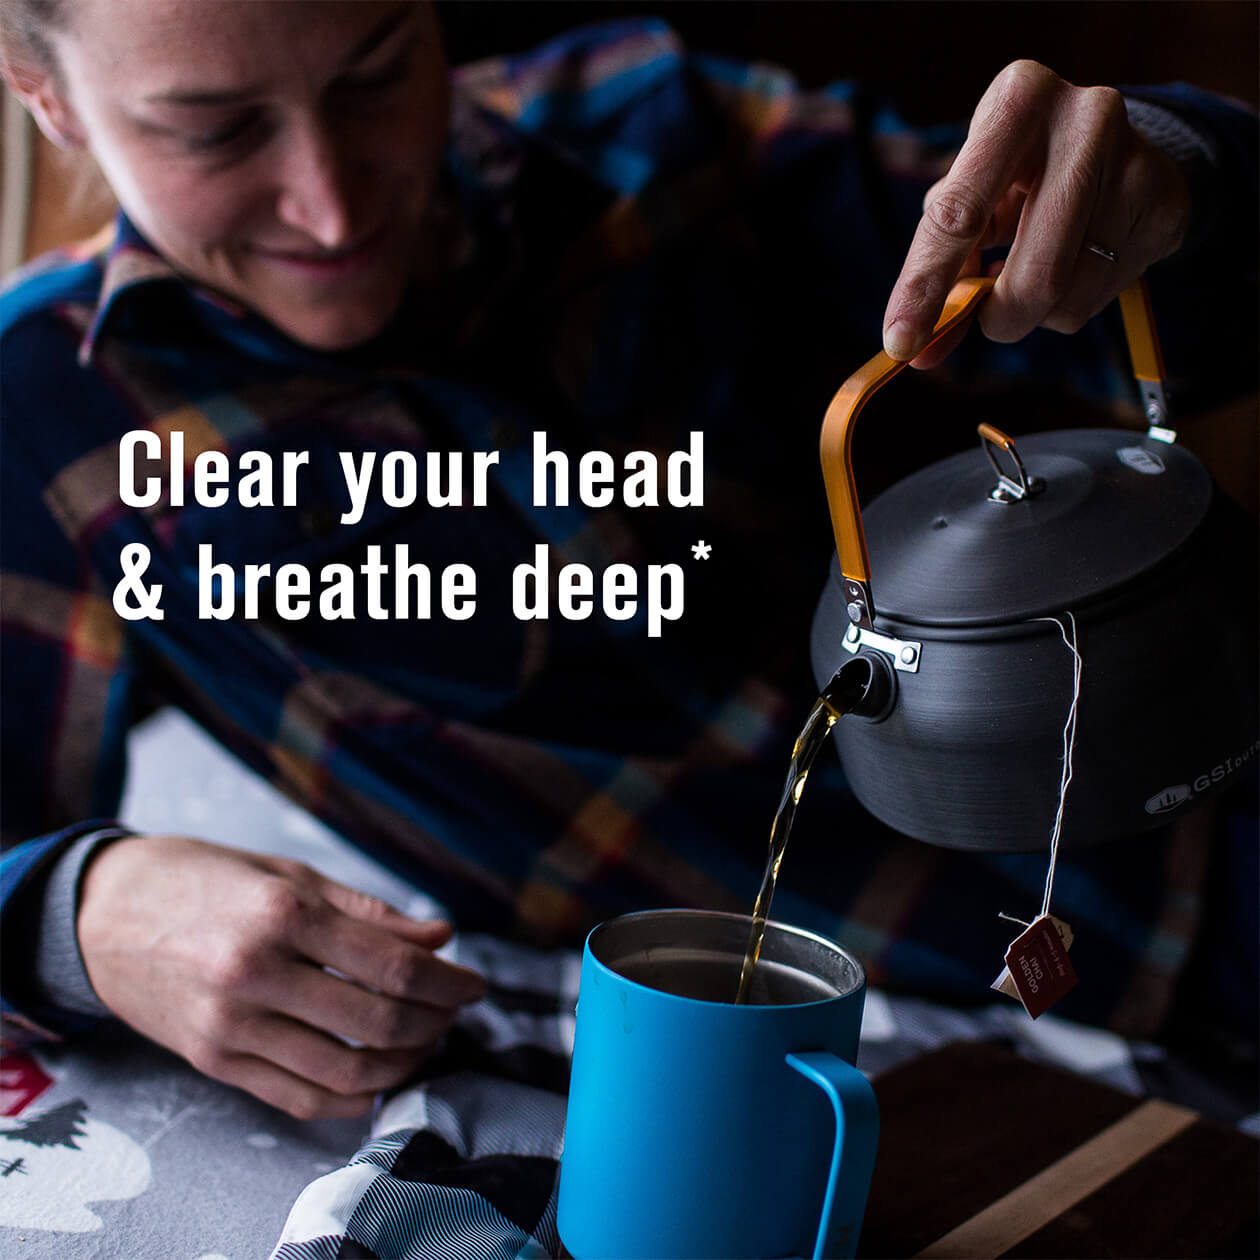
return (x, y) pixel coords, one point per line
(1111, 506)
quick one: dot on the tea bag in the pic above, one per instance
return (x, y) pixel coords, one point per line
(1038, 971)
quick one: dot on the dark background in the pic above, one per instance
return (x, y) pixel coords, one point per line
(933, 58)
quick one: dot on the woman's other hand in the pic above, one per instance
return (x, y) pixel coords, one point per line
(224, 957)
(1048, 169)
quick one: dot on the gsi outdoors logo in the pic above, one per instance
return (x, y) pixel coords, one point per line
(1141, 460)
(1166, 801)
(1171, 797)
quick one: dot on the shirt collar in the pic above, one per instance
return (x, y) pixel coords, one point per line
(130, 262)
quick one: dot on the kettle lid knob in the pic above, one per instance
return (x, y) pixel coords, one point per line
(1007, 490)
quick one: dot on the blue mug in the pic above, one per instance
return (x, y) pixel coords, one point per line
(697, 1127)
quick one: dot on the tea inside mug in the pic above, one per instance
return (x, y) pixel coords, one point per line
(700, 955)
(716, 979)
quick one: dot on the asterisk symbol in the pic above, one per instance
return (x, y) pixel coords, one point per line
(701, 550)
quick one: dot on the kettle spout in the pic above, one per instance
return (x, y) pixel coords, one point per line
(864, 686)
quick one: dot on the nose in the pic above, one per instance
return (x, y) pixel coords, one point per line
(314, 192)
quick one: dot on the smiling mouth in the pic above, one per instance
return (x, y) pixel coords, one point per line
(326, 259)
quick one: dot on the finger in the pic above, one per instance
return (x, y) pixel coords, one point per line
(1005, 221)
(939, 351)
(1005, 128)
(431, 933)
(345, 1009)
(301, 1098)
(314, 1056)
(1095, 282)
(1135, 220)
(1046, 256)
(1000, 230)
(383, 960)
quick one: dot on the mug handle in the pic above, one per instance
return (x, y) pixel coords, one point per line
(853, 1160)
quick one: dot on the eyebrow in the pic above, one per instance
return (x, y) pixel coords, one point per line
(363, 49)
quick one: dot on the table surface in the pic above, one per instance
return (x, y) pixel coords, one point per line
(120, 1149)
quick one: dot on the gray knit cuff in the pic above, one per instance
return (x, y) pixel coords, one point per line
(1193, 152)
(59, 965)
(1170, 132)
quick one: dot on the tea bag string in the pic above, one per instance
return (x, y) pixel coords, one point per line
(1069, 747)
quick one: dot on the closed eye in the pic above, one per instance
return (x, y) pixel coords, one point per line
(235, 133)
(378, 82)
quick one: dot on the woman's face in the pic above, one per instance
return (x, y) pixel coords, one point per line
(282, 152)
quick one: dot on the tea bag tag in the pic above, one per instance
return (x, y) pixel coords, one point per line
(1038, 971)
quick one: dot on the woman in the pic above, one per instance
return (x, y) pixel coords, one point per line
(322, 249)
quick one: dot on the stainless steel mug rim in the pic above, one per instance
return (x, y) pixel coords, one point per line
(617, 939)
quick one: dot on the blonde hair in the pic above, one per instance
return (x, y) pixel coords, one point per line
(24, 27)
(51, 196)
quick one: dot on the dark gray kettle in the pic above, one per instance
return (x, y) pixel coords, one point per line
(960, 677)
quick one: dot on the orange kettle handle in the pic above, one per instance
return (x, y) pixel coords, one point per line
(836, 440)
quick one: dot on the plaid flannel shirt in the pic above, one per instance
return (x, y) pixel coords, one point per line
(639, 242)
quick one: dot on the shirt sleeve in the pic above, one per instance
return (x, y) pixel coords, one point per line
(45, 994)
(1204, 296)
(1197, 157)
(67, 684)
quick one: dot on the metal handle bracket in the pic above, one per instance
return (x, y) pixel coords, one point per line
(906, 653)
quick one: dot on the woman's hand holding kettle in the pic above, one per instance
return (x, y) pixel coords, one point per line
(1056, 172)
